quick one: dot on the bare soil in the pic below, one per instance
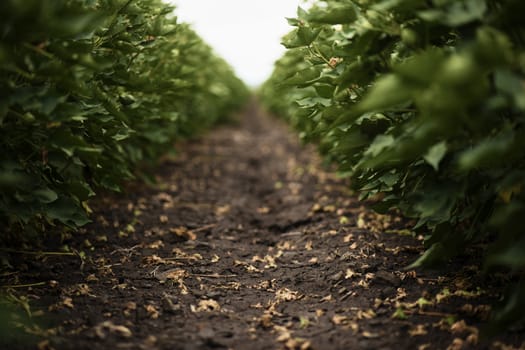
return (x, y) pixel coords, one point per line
(247, 242)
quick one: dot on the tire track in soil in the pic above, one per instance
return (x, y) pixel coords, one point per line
(246, 243)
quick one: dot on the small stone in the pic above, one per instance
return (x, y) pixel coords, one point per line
(338, 276)
(388, 277)
(170, 305)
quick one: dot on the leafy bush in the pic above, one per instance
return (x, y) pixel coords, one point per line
(421, 103)
(88, 88)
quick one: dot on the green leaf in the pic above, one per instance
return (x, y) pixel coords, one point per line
(512, 85)
(488, 151)
(67, 212)
(381, 142)
(457, 13)
(334, 14)
(388, 91)
(430, 257)
(45, 195)
(300, 37)
(435, 154)
(511, 256)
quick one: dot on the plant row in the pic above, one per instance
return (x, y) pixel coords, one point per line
(422, 104)
(89, 88)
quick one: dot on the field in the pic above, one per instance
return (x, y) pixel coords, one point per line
(367, 196)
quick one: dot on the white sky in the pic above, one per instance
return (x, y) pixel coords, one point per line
(246, 33)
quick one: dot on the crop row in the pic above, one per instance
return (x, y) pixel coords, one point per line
(89, 88)
(422, 104)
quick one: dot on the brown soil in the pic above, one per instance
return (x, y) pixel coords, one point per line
(246, 242)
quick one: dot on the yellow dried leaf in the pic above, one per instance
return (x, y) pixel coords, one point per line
(366, 314)
(363, 284)
(108, 326)
(370, 335)
(340, 319)
(327, 298)
(152, 311)
(130, 306)
(91, 278)
(316, 208)
(68, 302)
(351, 273)
(208, 305)
(308, 245)
(329, 209)
(177, 275)
(361, 223)
(284, 334)
(418, 330)
(184, 232)
(457, 344)
(263, 210)
(266, 320)
(348, 238)
(155, 245)
(222, 210)
(285, 294)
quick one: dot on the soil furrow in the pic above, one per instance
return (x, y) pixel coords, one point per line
(245, 242)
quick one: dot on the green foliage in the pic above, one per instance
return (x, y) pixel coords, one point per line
(423, 102)
(88, 88)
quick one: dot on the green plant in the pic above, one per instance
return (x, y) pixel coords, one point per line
(88, 89)
(421, 103)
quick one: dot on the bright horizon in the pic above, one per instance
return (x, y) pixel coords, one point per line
(246, 33)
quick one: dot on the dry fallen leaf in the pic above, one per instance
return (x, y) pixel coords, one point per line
(314, 260)
(130, 307)
(173, 274)
(91, 278)
(266, 320)
(327, 298)
(457, 344)
(263, 210)
(248, 267)
(284, 333)
(366, 314)
(221, 210)
(370, 335)
(68, 302)
(340, 319)
(152, 311)
(184, 232)
(156, 245)
(308, 245)
(351, 273)
(348, 238)
(285, 294)
(105, 327)
(418, 330)
(207, 306)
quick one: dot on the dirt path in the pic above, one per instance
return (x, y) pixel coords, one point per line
(246, 243)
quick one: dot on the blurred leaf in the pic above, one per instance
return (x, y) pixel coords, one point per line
(335, 14)
(435, 154)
